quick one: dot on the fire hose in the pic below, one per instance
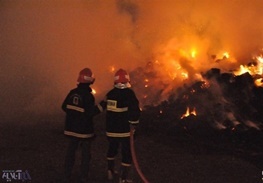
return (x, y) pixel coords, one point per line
(134, 158)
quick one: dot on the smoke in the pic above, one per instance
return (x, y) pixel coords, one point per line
(44, 44)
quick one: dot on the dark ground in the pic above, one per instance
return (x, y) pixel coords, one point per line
(38, 145)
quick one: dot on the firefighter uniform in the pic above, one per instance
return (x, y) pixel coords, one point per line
(80, 108)
(122, 110)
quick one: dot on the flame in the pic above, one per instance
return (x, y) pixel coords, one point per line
(253, 69)
(226, 55)
(193, 54)
(184, 75)
(193, 112)
(242, 69)
(259, 82)
(175, 65)
(205, 85)
(188, 112)
(260, 63)
(93, 91)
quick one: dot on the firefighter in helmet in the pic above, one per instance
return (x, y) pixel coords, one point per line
(122, 110)
(79, 106)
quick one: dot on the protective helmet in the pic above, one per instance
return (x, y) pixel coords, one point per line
(121, 76)
(86, 76)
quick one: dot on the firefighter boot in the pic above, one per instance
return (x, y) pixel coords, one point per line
(111, 171)
(124, 175)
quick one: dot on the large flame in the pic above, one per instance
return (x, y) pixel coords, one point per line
(175, 67)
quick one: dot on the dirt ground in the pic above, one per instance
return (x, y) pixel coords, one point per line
(38, 145)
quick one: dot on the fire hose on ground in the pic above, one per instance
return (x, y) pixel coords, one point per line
(134, 158)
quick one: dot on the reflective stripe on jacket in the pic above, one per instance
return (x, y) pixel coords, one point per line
(80, 108)
(122, 108)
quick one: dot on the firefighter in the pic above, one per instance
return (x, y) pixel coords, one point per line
(80, 108)
(122, 111)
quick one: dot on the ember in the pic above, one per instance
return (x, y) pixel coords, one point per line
(193, 112)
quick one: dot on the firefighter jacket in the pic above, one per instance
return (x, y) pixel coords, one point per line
(80, 108)
(122, 110)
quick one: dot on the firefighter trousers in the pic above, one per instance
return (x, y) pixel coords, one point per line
(85, 147)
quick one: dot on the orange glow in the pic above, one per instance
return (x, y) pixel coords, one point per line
(93, 91)
(259, 82)
(193, 54)
(184, 75)
(242, 69)
(193, 112)
(205, 85)
(260, 64)
(253, 69)
(188, 112)
(226, 54)
(112, 69)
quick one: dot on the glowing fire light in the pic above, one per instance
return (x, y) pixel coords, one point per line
(253, 69)
(193, 54)
(242, 69)
(187, 113)
(193, 112)
(226, 55)
(184, 75)
(259, 82)
(112, 69)
(260, 63)
(93, 91)
(205, 85)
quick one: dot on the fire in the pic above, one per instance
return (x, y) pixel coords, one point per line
(93, 91)
(259, 82)
(178, 64)
(226, 55)
(188, 113)
(260, 63)
(193, 112)
(146, 81)
(193, 54)
(242, 69)
(205, 84)
(112, 69)
(184, 75)
(253, 69)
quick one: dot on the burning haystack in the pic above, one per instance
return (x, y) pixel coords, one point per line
(217, 100)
